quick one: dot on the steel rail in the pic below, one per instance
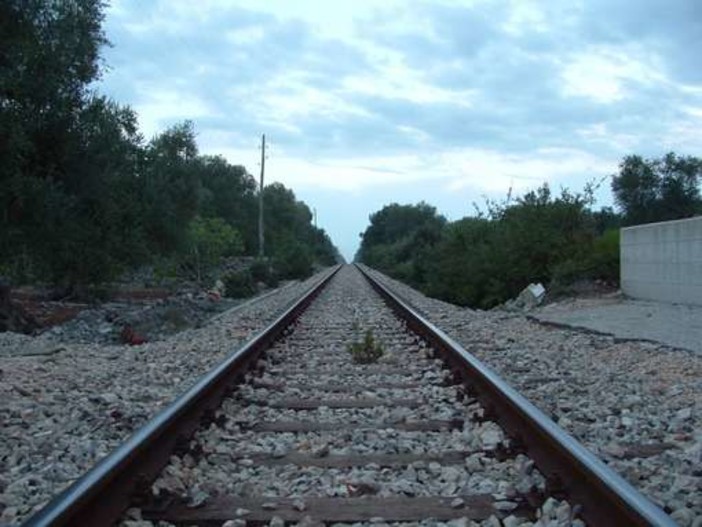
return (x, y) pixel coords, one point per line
(606, 499)
(102, 494)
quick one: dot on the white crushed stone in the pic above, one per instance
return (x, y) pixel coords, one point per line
(316, 356)
(609, 394)
(65, 406)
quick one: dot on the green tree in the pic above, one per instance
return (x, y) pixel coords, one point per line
(229, 192)
(400, 240)
(648, 190)
(171, 187)
(82, 197)
(291, 239)
(481, 261)
(49, 54)
(466, 268)
(210, 240)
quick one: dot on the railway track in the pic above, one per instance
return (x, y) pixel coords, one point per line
(291, 429)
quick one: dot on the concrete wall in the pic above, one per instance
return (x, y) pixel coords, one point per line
(663, 261)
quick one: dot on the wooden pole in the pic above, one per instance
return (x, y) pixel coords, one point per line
(260, 198)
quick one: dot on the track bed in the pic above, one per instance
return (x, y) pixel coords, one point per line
(322, 437)
(307, 435)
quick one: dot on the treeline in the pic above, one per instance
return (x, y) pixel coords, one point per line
(84, 197)
(484, 260)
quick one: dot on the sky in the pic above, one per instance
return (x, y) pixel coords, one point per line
(370, 102)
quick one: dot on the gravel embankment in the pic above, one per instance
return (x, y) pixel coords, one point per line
(313, 364)
(65, 405)
(637, 405)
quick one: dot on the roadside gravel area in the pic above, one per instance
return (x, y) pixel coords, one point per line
(63, 406)
(676, 325)
(637, 405)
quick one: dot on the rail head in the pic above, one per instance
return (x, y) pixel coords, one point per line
(605, 497)
(104, 492)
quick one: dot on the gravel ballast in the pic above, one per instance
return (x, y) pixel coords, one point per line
(314, 364)
(634, 404)
(65, 405)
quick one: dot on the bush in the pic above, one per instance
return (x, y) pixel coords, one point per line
(293, 261)
(366, 351)
(262, 271)
(209, 240)
(239, 284)
(601, 263)
(485, 260)
(606, 256)
(569, 271)
(165, 269)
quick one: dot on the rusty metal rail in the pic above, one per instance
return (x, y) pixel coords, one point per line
(103, 493)
(571, 470)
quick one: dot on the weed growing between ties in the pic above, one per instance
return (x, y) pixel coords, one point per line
(366, 351)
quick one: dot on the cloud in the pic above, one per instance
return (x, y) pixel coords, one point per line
(434, 76)
(432, 99)
(608, 74)
(492, 171)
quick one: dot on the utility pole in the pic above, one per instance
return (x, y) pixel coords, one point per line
(315, 217)
(260, 197)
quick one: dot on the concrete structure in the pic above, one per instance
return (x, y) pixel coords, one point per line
(663, 261)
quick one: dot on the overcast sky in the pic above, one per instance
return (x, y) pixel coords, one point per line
(370, 102)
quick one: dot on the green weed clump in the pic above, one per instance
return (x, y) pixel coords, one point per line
(366, 351)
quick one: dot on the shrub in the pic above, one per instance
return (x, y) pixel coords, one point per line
(209, 240)
(571, 270)
(601, 263)
(606, 256)
(366, 351)
(262, 271)
(238, 284)
(293, 261)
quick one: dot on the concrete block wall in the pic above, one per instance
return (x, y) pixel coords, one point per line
(663, 261)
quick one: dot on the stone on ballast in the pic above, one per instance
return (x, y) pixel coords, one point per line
(434, 468)
(683, 516)
(490, 438)
(684, 414)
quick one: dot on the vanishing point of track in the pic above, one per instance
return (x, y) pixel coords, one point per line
(288, 427)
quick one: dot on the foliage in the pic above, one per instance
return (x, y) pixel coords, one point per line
(400, 240)
(229, 192)
(238, 284)
(170, 187)
(83, 197)
(291, 239)
(210, 240)
(600, 263)
(606, 255)
(466, 266)
(366, 351)
(649, 190)
(262, 271)
(65, 155)
(292, 260)
(482, 261)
